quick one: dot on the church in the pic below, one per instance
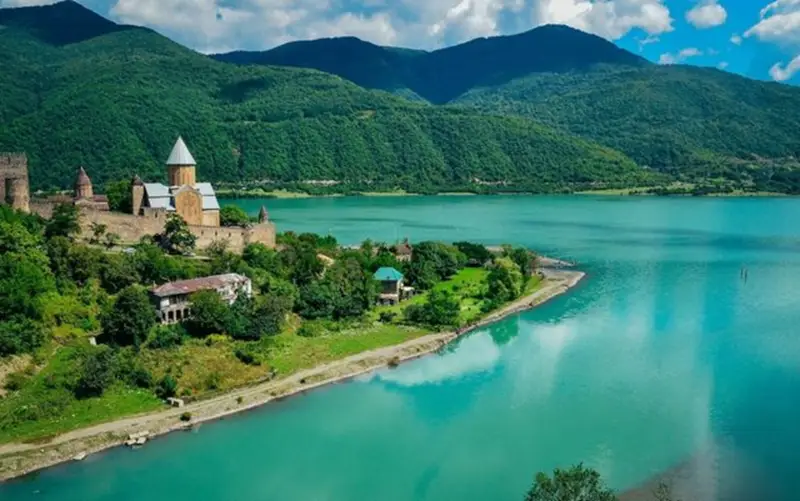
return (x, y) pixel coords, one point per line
(195, 202)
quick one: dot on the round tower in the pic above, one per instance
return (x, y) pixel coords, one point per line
(181, 166)
(263, 216)
(83, 186)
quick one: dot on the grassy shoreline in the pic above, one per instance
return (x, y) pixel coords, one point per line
(18, 459)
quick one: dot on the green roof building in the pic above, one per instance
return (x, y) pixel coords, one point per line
(392, 290)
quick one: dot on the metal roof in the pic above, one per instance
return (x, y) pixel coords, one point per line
(162, 197)
(180, 154)
(387, 274)
(198, 284)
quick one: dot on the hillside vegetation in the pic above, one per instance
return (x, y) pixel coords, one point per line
(693, 124)
(115, 101)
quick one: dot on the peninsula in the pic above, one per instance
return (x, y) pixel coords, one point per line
(107, 339)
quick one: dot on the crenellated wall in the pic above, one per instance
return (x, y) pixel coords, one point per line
(132, 228)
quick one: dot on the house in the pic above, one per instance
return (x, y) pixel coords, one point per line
(392, 290)
(172, 300)
(403, 251)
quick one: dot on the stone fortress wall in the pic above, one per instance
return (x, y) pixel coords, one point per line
(131, 228)
(14, 186)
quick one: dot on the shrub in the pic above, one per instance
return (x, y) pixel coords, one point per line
(311, 329)
(167, 387)
(97, 373)
(394, 362)
(166, 336)
(186, 416)
(246, 357)
(16, 380)
(387, 317)
(213, 381)
(239, 400)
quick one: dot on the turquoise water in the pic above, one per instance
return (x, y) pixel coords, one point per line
(663, 359)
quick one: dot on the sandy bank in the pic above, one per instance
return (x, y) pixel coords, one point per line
(17, 459)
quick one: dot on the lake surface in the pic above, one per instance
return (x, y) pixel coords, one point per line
(664, 360)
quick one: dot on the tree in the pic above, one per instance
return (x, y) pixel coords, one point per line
(317, 300)
(176, 238)
(24, 278)
(20, 335)
(167, 387)
(353, 289)
(98, 230)
(253, 318)
(477, 255)
(210, 314)
(97, 372)
(130, 318)
(433, 262)
(505, 281)
(120, 196)
(112, 240)
(231, 215)
(118, 271)
(222, 260)
(65, 222)
(442, 309)
(575, 484)
(262, 257)
(523, 257)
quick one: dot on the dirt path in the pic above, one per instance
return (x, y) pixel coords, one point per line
(17, 459)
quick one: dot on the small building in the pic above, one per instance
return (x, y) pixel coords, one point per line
(403, 251)
(84, 193)
(392, 290)
(173, 299)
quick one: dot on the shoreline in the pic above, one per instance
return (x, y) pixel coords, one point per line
(20, 459)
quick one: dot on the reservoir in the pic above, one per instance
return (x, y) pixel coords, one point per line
(678, 357)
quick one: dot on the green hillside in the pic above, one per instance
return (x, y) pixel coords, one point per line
(115, 102)
(691, 123)
(678, 119)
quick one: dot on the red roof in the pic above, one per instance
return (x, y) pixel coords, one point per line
(198, 284)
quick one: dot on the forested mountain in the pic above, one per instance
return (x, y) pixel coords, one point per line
(689, 122)
(114, 100)
(443, 75)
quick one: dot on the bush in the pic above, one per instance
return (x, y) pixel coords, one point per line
(246, 357)
(167, 387)
(166, 336)
(387, 317)
(311, 329)
(394, 362)
(16, 380)
(213, 381)
(97, 373)
(239, 400)
(186, 416)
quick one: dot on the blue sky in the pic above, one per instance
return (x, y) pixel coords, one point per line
(757, 38)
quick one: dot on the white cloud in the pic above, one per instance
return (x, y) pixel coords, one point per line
(779, 23)
(650, 39)
(25, 3)
(736, 39)
(669, 58)
(781, 73)
(611, 19)
(258, 24)
(707, 14)
(723, 65)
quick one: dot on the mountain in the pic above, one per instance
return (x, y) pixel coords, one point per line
(113, 99)
(59, 24)
(688, 122)
(443, 75)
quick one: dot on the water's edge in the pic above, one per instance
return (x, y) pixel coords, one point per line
(19, 460)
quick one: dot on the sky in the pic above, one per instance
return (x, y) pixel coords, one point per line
(756, 38)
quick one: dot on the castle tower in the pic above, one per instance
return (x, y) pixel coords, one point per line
(263, 216)
(137, 196)
(181, 165)
(14, 181)
(83, 186)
